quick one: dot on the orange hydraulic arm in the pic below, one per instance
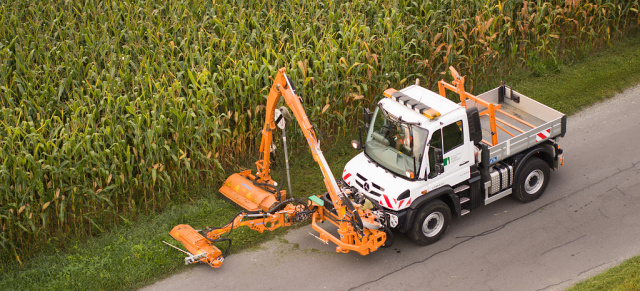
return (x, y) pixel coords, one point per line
(349, 218)
(201, 247)
(282, 88)
(358, 229)
(239, 187)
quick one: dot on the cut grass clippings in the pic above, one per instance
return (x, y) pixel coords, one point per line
(133, 255)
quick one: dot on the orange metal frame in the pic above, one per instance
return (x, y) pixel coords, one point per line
(457, 87)
(197, 244)
(350, 239)
(361, 241)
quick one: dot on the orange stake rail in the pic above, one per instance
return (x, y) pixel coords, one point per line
(458, 88)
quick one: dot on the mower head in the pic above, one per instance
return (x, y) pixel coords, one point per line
(242, 189)
(200, 249)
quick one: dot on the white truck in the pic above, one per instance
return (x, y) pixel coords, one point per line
(427, 158)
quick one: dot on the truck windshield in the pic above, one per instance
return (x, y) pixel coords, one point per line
(395, 145)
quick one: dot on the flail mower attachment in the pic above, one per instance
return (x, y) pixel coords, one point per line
(242, 189)
(200, 244)
(200, 249)
(259, 192)
(360, 229)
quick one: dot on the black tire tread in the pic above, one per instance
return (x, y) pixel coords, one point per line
(531, 164)
(416, 229)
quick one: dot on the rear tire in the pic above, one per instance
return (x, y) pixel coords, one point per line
(531, 181)
(431, 223)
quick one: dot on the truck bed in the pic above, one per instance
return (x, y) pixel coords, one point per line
(535, 122)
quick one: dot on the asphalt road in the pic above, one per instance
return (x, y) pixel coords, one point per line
(588, 220)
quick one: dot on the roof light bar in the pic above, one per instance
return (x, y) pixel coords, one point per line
(414, 104)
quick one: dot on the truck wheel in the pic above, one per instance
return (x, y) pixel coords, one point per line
(532, 180)
(391, 238)
(431, 223)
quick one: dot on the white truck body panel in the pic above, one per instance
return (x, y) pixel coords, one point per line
(385, 187)
(394, 185)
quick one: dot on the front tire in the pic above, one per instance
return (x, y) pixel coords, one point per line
(391, 238)
(532, 180)
(431, 223)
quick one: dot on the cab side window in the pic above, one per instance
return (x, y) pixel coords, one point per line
(452, 136)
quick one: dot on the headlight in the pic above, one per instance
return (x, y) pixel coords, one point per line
(393, 220)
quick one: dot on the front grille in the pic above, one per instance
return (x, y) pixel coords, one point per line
(377, 187)
(361, 180)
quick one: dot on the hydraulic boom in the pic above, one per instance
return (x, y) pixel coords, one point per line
(360, 230)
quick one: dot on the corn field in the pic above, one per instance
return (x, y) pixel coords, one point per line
(108, 106)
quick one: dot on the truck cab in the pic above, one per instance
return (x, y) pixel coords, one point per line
(425, 159)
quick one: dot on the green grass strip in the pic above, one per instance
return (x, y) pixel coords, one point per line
(599, 75)
(625, 276)
(133, 255)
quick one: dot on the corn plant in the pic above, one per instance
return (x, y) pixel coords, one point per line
(106, 107)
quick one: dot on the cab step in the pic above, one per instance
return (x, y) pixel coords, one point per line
(460, 189)
(464, 212)
(464, 200)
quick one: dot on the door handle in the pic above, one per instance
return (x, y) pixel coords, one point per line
(464, 163)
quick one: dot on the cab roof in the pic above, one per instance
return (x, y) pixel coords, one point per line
(417, 104)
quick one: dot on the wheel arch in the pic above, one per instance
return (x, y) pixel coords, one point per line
(444, 193)
(545, 152)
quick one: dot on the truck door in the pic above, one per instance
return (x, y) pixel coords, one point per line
(451, 139)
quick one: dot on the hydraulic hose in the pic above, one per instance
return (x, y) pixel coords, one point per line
(224, 238)
(317, 131)
(279, 206)
(266, 186)
(271, 188)
(355, 219)
(286, 160)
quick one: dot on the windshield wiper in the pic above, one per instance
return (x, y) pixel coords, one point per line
(407, 122)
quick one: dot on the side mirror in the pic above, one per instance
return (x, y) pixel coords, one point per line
(367, 119)
(356, 144)
(439, 168)
(367, 116)
(438, 157)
